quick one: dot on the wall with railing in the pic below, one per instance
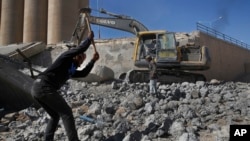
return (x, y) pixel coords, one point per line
(220, 35)
(229, 60)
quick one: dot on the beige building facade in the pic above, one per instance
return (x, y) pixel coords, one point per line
(49, 21)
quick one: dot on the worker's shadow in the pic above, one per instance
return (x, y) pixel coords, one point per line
(137, 135)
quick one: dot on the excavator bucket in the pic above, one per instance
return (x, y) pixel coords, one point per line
(15, 88)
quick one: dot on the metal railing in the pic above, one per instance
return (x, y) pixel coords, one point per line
(219, 35)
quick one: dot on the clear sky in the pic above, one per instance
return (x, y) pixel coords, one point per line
(230, 17)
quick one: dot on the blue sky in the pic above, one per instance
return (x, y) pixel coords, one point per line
(230, 17)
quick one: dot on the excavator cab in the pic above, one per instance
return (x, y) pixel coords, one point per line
(174, 62)
(161, 45)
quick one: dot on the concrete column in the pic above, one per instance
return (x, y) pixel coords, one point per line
(11, 21)
(62, 16)
(83, 3)
(0, 16)
(35, 20)
(54, 21)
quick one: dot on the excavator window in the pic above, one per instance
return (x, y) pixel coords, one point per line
(148, 45)
(168, 47)
(159, 46)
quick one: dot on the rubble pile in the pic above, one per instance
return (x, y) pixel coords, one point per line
(119, 111)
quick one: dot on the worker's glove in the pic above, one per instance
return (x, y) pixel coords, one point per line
(95, 56)
(91, 35)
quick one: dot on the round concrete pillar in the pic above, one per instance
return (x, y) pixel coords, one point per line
(35, 20)
(0, 16)
(54, 21)
(11, 22)
(62, 16)
(83, 3)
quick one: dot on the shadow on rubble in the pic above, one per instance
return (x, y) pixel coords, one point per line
(158, 130)
(14, 87)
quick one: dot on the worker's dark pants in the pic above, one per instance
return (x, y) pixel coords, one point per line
(56, 107)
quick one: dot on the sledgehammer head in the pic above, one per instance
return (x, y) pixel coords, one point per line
(85, 10)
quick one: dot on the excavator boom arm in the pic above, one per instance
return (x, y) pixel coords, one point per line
(124, 24)
(115, 21)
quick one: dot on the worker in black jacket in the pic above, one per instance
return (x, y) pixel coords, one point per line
(46, 86)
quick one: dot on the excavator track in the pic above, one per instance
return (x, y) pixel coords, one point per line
(165, 76)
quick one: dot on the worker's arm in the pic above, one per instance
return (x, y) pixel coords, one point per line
(84, 72)
(84, 45)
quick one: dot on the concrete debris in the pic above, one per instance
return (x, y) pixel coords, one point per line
(185, 38)
(28, 49)
(99, 74)
(181, 111)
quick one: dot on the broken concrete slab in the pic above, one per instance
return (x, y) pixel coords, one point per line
(99, 74)
(28, 49)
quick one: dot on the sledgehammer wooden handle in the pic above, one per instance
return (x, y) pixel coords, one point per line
(89, 28)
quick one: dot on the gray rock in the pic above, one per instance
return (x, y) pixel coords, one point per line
(177, 128)
(188, 137)
(129, 112)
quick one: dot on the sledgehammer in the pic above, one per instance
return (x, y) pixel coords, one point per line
(89, 28)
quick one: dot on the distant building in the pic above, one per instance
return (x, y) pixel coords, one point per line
(50, 21)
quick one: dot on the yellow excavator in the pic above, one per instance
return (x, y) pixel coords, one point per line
(174, 63)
